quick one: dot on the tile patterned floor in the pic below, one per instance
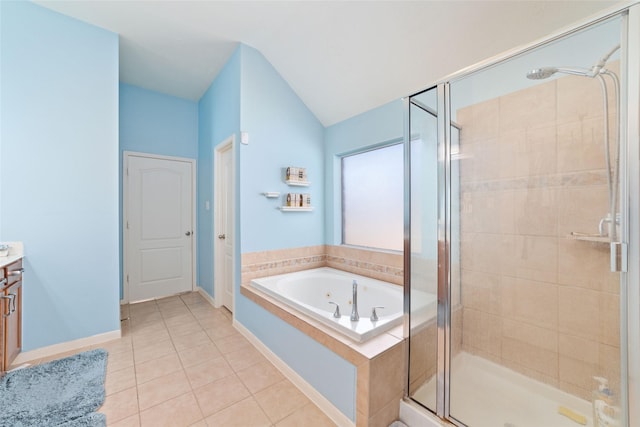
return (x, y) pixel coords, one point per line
(180, 363)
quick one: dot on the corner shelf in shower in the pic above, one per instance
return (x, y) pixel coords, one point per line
(585, 237)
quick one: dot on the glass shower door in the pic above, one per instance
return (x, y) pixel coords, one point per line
(517, 227)
(423, 356)
(539, 202)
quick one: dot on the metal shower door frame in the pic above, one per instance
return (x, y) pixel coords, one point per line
(629, 204)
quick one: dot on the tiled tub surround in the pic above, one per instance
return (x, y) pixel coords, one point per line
(534, 299)
(380, 362)
(386, 266)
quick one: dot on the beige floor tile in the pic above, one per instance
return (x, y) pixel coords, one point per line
(281, 400)
(143, 307)
(242, 359)
(156, 368)
(206, 313)
(132, 421)
(148, 328)
(307, 416)
(121, 405)
(139, 319)
(162, 389)
(191, 297)
(146, 352)
(232, 343)
(173, 301)
(208, 372)
(166, 335)
(219, 394)
(180, 411)
(246, 413)
(219, 330)
(177, 316)
(118, 361)
(199, 354)
(117, 346)
(184, 342)
(198, 305)
(116, 381)
(260, 376)
(184, 329)
(150, 337)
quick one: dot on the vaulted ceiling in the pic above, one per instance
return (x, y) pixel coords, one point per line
(341, 57)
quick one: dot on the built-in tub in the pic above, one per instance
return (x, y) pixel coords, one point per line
(310, 291)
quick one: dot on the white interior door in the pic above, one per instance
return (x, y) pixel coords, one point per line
(224, 228)
(159, 227)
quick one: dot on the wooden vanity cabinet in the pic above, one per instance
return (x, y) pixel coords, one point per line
(3, 286)
(11, 304)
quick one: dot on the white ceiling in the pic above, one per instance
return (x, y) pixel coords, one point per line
(341, 57)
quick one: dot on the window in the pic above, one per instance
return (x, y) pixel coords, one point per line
(372, 198)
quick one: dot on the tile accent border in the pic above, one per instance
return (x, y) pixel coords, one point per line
(387, 266)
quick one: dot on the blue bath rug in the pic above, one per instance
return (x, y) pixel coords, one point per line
(64, 392)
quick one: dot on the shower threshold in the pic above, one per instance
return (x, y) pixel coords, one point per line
(485, 394)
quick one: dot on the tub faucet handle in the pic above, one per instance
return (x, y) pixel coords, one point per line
(336, 313)
(374, 315)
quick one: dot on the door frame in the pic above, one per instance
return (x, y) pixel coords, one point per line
(125, 214)
(228, 143)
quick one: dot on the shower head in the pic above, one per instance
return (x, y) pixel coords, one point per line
(546, 72)
(541, 73)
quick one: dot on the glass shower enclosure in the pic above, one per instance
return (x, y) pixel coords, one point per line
(518, 187)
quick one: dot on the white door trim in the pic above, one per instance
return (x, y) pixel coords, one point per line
(125, 213)
(218, 256)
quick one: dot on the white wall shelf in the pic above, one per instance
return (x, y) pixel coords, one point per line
(295, 209)
(298, 183)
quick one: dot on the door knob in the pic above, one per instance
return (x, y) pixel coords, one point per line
(222, 236)
(188, 233)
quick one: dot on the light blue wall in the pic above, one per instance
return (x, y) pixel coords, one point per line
(282, 132)
(374, 127)
(59, 170)
(218, 119)
(152, 122)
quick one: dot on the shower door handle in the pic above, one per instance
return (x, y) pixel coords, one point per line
(618, 257)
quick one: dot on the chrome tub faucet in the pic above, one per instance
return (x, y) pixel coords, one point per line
(354, 307)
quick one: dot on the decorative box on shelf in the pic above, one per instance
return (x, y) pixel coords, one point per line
(296, 176)
(297, 202)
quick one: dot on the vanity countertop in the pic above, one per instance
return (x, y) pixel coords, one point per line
(16, 251)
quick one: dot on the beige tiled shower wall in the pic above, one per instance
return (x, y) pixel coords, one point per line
(532, 171)
(380, 265)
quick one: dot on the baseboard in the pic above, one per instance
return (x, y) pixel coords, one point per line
(64, 347)
(318, 399)
(206, 296)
